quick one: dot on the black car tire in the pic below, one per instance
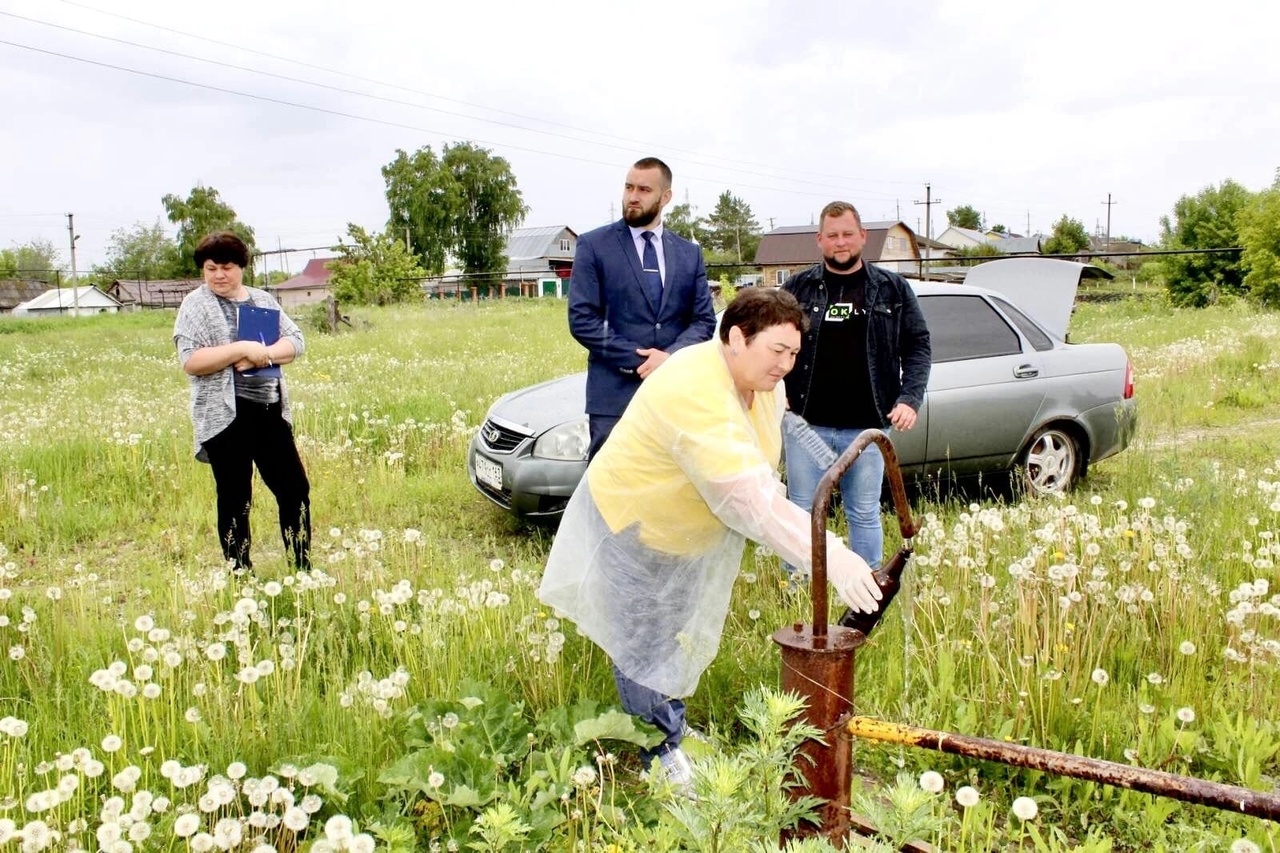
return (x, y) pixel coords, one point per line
(1052, 461)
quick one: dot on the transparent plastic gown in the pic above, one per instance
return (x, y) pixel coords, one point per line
(652, 539)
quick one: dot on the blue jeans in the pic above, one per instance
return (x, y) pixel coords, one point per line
(651, 706)
(859, 489)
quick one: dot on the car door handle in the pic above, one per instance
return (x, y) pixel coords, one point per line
(1026, 371)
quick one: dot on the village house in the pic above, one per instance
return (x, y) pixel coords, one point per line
(891, 245)
(307, 287)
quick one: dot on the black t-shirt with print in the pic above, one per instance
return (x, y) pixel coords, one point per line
(840, 391)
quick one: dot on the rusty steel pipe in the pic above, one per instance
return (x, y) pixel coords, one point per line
(822, 505)
(822, 675)
(818, 659)
(1226, 797)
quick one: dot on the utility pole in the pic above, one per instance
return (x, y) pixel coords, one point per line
(1108, 203)
(1028, 222)
(929, 202)
(75, 281)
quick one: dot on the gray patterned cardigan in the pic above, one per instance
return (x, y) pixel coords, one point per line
(201, 323)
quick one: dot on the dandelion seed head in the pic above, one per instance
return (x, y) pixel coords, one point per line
(1025, 808)
(931, 781)
(295, 819)
(339, 828)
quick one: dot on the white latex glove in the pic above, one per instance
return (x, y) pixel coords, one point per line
(851, 576)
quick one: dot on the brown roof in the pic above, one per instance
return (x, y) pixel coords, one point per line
(153, 293)
(315, 274)
(798, 244)
(14, 292)
(875, 244)
(791, 244)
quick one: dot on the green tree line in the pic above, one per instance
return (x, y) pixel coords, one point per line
(456, 208)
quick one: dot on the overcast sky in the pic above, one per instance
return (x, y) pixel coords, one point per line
(1025, 111)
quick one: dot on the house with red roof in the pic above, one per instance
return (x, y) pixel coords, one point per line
(307, 287)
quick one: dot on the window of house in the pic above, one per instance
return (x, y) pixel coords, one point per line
(780, 276)
(965, 327)
(564, 245)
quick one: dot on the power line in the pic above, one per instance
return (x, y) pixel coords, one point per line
(305, 82)
(753, 165)
(386, 122)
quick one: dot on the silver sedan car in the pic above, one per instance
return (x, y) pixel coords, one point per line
(1007, 393)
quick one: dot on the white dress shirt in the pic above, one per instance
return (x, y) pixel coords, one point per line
(657, 247)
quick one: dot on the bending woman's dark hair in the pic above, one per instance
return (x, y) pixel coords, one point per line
(755, 309)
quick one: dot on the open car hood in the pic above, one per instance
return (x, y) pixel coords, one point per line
(1045, 288)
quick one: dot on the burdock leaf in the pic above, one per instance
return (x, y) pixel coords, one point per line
(615, 725)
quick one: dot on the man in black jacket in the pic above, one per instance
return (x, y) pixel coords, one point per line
(864, 363)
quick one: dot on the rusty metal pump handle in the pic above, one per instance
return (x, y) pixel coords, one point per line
(822, 505)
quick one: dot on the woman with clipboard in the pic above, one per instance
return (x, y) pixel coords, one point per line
(231, 341)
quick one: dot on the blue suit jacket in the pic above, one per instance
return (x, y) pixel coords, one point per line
(611, 316)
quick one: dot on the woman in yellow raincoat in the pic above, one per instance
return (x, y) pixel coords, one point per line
(652, 539)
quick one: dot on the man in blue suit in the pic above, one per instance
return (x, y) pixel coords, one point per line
(638, 293)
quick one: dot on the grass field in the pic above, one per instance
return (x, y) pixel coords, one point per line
(411, 692)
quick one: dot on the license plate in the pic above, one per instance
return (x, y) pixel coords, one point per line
(489, 473)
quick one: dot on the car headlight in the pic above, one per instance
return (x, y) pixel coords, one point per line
(568, 442)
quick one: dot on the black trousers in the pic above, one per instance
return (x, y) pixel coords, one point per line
(599, 428)
(260, 436)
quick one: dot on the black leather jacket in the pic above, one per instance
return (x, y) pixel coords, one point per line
(898, 350)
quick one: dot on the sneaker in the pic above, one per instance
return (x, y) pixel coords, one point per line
(675, 769)
(690, 733)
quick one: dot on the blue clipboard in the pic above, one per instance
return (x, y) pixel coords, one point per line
(255, 323)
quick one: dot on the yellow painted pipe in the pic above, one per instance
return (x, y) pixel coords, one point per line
(1185, 788)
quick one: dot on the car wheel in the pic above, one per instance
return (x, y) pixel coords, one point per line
(1051, 462)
